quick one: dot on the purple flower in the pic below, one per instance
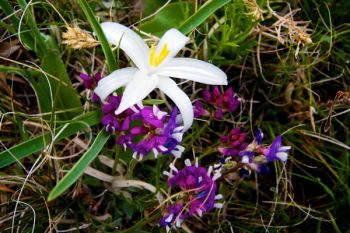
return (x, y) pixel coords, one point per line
(233, 143)
(173, 218)
(276, 151)
(223, 102)
(199, 110)
(90, 82)
(197, 186)
(258, 136)
(112, 122)
(246, 156)
(95, 98)
(153, 131)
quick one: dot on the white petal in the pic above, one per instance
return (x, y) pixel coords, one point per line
(178, 129)
(199, 212)
(178, 223)
(174, 40)
(284, 148)
(169, 218)
(210, 169)
(162, 148)
(218, 205)
(245, 159)
(188, 162)
(216, 176)
(169, 87)
(219, 196)
(177, 136)
(193, 69)
(176, 153)
(131, 43)
(283, 156)
(172, 167)
(113, 81)
(168, 174)
(180, 148)
(155, 152)
(136, 90)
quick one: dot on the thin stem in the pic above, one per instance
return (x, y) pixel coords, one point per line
(116, 158)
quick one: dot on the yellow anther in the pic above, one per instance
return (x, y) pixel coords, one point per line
(151, 55)
(156, 60)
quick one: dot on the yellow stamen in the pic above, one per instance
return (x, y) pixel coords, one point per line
(156, 60)
(151, 55)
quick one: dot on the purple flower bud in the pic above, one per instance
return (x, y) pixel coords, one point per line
(222, 102)
(199, 110)
(95, 98)
(90, 82)
(233, 143)
(111, 123)
(114, 122)
(258, 136)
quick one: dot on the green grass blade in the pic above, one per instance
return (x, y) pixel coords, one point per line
(16, 70)
(36, 144)
(112, 65)
(201, 15)
(64, 96)
(26, 37)
(47, 50)
(30, 21)
(78, 169)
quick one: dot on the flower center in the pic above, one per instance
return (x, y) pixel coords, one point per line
(157, 59)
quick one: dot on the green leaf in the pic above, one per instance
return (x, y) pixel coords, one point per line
(52, 80)
(201, 15)
(170, 16)
(112, 65)
(36, 144)
(64, 96)
(78, 169)
(153, 101)
(151, 6)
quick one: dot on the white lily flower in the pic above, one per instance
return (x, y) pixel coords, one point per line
(154, 67)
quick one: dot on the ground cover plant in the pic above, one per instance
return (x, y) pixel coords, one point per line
(174, 116)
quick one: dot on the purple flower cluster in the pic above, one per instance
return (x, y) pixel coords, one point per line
(233, 143)
(90, 83)
(144, 129)
(222, 103)
(276, 151)
(155, 133)
(197, 195)
(112, 122)
(254, 155)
